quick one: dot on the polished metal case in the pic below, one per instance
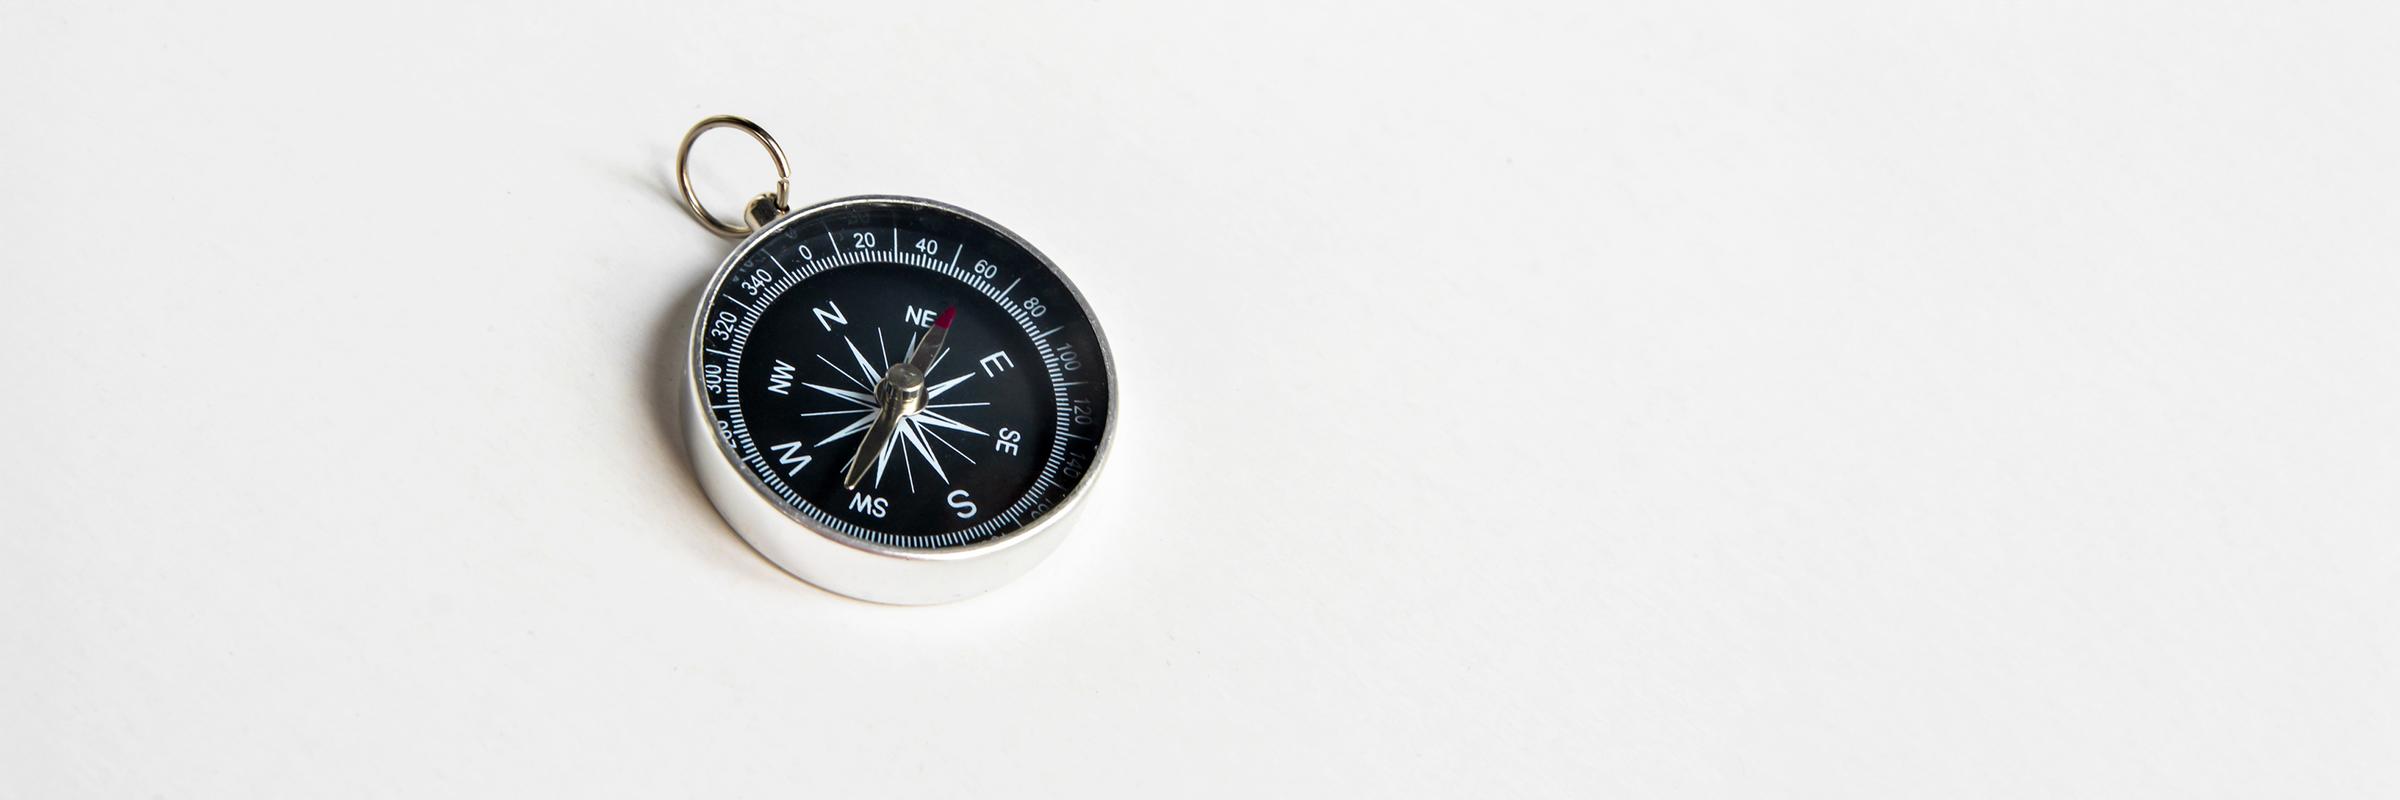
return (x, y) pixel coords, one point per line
(837, 562)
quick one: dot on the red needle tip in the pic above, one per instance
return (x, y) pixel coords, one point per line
(943, 321)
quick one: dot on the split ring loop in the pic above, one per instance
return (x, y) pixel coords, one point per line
(764, 207)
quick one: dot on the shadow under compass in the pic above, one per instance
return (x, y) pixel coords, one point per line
(662, 383)
(662, 378)
(663, 387)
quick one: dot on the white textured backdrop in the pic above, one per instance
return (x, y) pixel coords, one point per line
(1695, 399)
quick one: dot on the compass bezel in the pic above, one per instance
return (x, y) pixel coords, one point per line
(838, 561)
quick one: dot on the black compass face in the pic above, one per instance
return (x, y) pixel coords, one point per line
(804, 361)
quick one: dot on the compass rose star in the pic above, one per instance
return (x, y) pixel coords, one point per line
(921, 429)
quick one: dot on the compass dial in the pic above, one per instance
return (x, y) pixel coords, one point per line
(903, 374)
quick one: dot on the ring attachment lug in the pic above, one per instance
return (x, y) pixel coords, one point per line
(759, 210)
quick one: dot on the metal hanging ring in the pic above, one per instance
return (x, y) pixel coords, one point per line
(780, 199)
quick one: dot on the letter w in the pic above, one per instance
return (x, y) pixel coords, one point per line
(781, 381)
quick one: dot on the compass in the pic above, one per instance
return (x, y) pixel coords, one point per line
(891, 397)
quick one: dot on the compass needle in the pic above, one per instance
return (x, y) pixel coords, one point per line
(883, 458)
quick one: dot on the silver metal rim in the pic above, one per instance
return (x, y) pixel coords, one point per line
(877, 572)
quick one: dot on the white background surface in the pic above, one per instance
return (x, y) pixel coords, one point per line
(1693, 399)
